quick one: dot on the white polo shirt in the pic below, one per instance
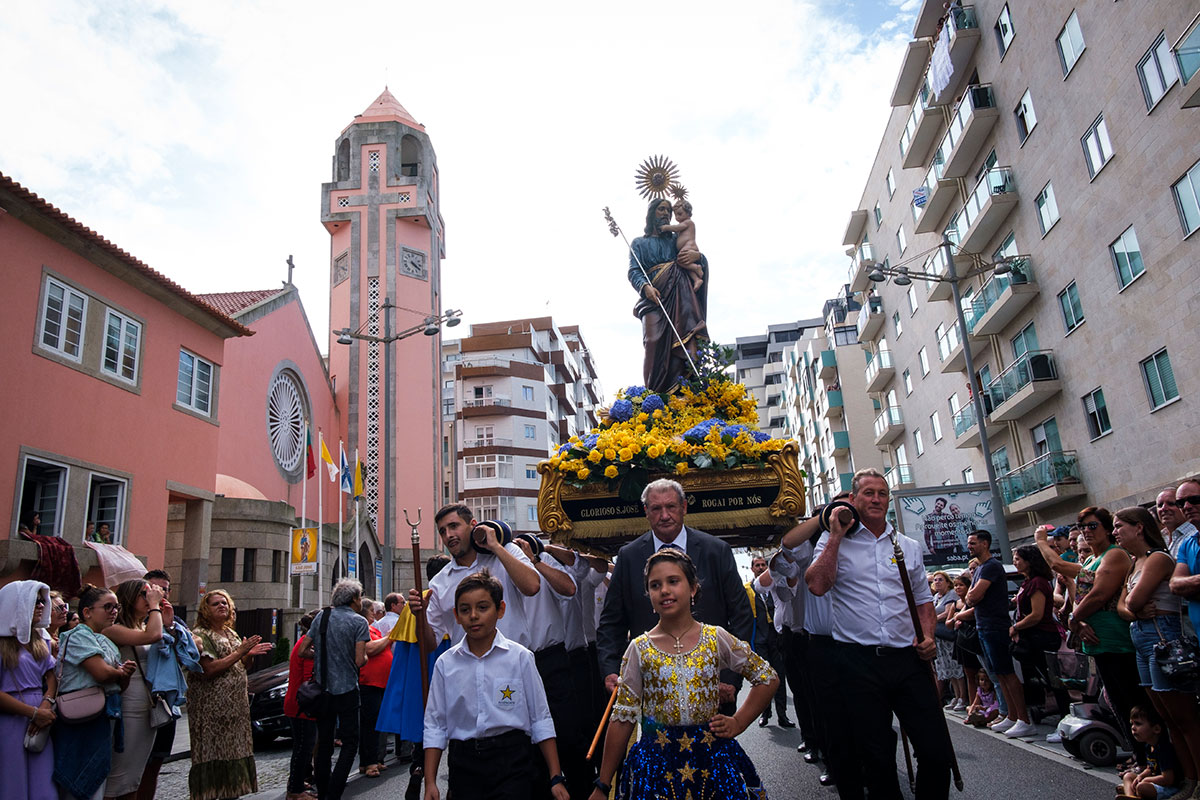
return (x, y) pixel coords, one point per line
(869, 606)
(545, 612)
(789, 600)
(580, 611)
(440, 609)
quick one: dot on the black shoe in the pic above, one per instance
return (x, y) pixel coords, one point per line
(784, 722)
(413, 792)
(811, 757)
(802, 748)
(762, 723)
(827, 780)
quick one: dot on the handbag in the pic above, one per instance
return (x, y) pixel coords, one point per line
(311, 697)
(81, 705)
(35, 740)
(968, 638)
(160, 709)
(1179, 660)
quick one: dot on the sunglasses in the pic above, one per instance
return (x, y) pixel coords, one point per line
(1087, 526)
(109, 607)
(1193, 499)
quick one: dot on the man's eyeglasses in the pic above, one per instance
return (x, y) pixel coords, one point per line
(1193, 499)
(110, 607)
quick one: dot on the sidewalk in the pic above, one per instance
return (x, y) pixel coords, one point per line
(183, 740)
(1037, 741)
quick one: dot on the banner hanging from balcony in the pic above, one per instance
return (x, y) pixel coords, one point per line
(942, 517)
(941, 68)
(920, 195)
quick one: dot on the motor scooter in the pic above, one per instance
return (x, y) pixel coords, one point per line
(1091, 729)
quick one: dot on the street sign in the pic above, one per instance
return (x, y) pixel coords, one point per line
(352, 563)
(378, 577)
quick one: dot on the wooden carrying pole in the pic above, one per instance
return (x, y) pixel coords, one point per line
(603, 721)
(423, 647)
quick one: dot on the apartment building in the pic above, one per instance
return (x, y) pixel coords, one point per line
(1058, 141)
(759, 366)
(511, 392)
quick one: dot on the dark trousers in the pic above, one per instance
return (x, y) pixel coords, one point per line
(794, 648)
(493, 768)
(877, 682)
(304, 739)
(1119, 674)
(830, 723)
(774, 656)
(569, 709)
(339, 719)
(369, 742)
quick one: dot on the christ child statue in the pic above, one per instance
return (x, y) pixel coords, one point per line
(685, 240)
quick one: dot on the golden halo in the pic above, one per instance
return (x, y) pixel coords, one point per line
(655, 177)
(678, 191)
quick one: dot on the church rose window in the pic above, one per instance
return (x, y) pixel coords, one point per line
(285, 420)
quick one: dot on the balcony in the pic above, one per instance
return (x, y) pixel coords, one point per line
(864, 262)
(880, 371)
(481, 402)
(973, 120)
(856, 227)
(841, 443)
(834, 408)
(899, 477)
(950, 349)
(1001, 299)
(889, 426)
(1046, 480)
(469, 444)
(936, 265)
(845, 480)
(912, 70)
(988, 205)
(966, 431)
(940, 193)
(927, 18)
(920, 133)
(1187, 58)
(964, 38)
(870, 319)
(827, 365)
(1024, 385)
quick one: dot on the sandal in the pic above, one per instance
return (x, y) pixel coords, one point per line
(372, 771)
(382, 767)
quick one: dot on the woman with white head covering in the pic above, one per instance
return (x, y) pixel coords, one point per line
(25, 662)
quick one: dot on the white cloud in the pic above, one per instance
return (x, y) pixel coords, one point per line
(197, 136)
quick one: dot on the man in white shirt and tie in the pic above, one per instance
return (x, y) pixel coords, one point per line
(875, 649)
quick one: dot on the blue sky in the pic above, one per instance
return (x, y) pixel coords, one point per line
(197, 137)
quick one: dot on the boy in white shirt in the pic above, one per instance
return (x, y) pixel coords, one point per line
(487, 705)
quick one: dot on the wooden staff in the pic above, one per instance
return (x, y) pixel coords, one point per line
(422, 646)
(603, 721)
(916, 621)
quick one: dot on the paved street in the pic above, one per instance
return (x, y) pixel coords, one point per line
(991, 765)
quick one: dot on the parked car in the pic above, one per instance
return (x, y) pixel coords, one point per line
(267, 688)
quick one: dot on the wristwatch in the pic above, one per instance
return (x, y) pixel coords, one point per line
(537, 559)
(557, 779)
(602, 786)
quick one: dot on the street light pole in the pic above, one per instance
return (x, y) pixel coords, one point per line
(1001, 531)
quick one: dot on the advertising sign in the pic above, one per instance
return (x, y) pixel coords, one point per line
(304, 551)
(352, 564)
(942, 517)
(379, 577)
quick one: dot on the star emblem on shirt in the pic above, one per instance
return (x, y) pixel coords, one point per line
(686, 772)
(708, 738)
(685, 743)
(507, 692)
(663, 739)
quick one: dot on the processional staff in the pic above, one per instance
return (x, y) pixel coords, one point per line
(423, 648)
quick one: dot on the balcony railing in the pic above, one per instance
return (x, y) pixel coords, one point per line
(990, 292)
(892, 415)
(1036, 365)
(898, 476)
(864, 261)
(962, 135)
(948, 341)
(881, 360)
(1052, 469)
(480, 402)
(964, 420)
(493, 442)
(998, 180)
(870, 318)
(1187, 52)
(919, 106)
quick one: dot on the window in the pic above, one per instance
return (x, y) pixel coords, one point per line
(484, 435)
(1127, 257)
(1072, 310)
(1045, 438)
(924, 358)
(249, 556)
(483, 391)
(195, 382)
(63, 313)
(43, 492)
(277, 566)
(1160, 379)
(527, 393)
(900, 240)
(1157, 71)
(531, 472)
(954, 405)
(901, 455)
(531, 512)
(878, 216)
(1026, 119)
(106, 504)
(1187, 199)
(490, 466)
(1097, 148)
(896, 324)
(228, 559)
(530, 431)
(1025, 341)
(919, 442)
(891, 183)
(1070, 43)
(968, 475)
(935, 425)
(907, 376)
(1047, 209)
(1006, 250)
(1004, 30)
(447, 408)
(912, 299)
(1000, 461)
(448, 384)
(1097, 413)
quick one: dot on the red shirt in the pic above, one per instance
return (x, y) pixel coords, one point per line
(300, 670)
(375, 672)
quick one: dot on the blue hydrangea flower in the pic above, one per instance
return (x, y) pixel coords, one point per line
(652, 403)
(564, 448)
(634, 391)
(700, 430)
(760, 437)
(590, 440)
(621, 410)
(734, 430)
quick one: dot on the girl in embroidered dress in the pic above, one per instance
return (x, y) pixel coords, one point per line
(669, 677)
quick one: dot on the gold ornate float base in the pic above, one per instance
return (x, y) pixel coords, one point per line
(747, 506)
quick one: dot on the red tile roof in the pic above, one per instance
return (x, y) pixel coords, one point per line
(70, 223)
(234, 303)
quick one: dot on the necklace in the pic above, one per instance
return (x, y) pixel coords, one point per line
(679, 639)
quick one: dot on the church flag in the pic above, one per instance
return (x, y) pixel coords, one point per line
(358, 486)
(312, 462)
(347, 474)
(328, 459)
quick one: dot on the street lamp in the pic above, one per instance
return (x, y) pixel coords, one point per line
(430, 326)
(903, 277)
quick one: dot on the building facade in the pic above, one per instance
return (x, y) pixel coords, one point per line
(759, 366)
(520, 388)
(1057, 140)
